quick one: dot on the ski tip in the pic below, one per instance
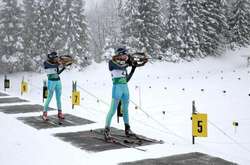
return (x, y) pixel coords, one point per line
(161, 142)
(44, 119)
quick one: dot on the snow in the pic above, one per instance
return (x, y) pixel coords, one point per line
(164, 87)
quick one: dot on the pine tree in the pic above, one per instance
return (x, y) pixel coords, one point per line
(29, 42)
(152, 27)
(10, 34)
(142, 25)
(192, 29)
(107, 28)
(214, 27)
(112, 23)
(173, 29)
(76, 34)
(227, 10)
(47, 30)
(40, 34)
(165, 8)
(240, 24)
(131, 25)
(54, 25)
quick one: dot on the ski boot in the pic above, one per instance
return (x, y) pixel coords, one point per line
(128, 131)
(60, 115)
(107, 136)
(45, 116)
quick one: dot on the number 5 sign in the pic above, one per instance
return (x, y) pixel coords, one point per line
(199, 122)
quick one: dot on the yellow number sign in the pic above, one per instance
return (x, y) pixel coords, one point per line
(199, 122)
(24, 87)
(75, 98)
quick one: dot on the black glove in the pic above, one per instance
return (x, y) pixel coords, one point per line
(129, 62)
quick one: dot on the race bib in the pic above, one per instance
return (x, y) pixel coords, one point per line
(118, 73)
(51, 71)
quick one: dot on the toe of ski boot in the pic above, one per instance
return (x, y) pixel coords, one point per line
(107, 136)
(45, 116)
(60, 115)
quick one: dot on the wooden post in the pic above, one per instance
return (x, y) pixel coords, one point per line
(73, 90)
(5, 82)
(193, 112)
(22, 86)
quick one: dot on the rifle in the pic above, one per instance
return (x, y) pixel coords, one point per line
(66, 60)
(137, 59)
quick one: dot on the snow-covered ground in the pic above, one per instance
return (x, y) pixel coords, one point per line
(163, 87)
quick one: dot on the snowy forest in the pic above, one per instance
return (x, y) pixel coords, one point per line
(173, 29)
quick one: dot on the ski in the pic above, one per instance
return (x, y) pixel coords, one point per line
(118, 141)
(44, 119)
(60, 118)
(115, 141)
(137, 142)
(60, 121)
(141, 138)
(128, 141)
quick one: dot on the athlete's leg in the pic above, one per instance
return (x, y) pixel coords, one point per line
(58, 89)
(116, 95)
(51, 88)
(125, 104)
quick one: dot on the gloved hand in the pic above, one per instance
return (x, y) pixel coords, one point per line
(129, 61)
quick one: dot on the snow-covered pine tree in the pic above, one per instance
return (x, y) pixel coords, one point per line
(142, 25)
(29, 41)
(152, 26)
(112, 27)
(105, 24)
(67, 18)
(192, 29)
(111, 22)
(11, 43)
(173, 28)
(76, 34)
(131, 25)
(54, 40)
(240, 24)
(227, 10)
(165, 8)
(94, 16)
(215, 27)
(40, 34)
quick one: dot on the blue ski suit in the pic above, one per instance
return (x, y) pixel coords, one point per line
(119, 91)
(54, 84)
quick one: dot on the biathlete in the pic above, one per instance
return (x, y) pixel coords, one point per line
(54, 66)
(120, 92)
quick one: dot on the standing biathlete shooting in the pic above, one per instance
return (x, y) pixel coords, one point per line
(54, 66)
(120, 92)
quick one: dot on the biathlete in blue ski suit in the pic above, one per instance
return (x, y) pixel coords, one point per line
(120, 91)
(51, 66)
